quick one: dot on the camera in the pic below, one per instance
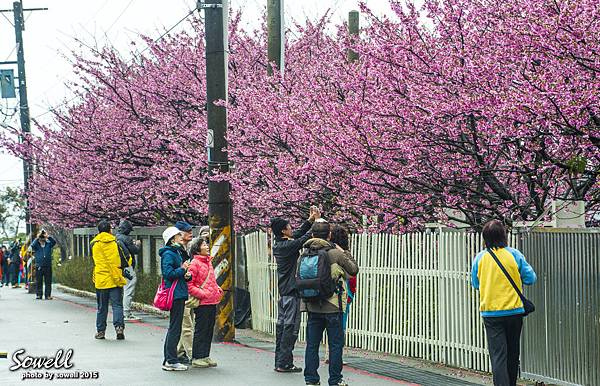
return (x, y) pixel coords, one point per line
(127, 275)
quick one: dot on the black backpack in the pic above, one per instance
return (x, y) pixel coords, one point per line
(313, 275)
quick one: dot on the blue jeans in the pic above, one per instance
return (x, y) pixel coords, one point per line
(115, 295)
(317, 323)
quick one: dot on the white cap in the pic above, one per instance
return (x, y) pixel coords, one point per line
(169, 233)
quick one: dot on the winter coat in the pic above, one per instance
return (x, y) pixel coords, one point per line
(170, 264)
(497, 297)
(15, 257)
(286, 253)
(343, 266)
(126, 242)
(108, 272)
(202, 269)
(43, 254)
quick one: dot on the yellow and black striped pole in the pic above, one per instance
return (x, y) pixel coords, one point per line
(221, 250)
(219, 202)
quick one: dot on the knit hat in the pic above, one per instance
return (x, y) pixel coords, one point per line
(204, 231)
(169, 233)
(278, 224)
(183, 226)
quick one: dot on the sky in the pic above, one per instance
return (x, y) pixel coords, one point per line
(49, 39)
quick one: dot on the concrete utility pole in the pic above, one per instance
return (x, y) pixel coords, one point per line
(353, 29)
(219, 202)
(19, 25)
(276, 46)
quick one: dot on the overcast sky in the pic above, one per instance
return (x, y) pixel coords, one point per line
(48, 37)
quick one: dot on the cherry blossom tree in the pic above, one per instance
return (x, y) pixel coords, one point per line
(457, 109)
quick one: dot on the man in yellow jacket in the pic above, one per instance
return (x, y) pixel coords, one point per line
(108, 279)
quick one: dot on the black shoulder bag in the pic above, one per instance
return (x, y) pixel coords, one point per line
(528, 305)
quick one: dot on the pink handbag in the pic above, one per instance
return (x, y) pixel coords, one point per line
(163, 300)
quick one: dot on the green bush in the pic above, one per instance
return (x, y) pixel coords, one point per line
(77, 273)
(146, 286)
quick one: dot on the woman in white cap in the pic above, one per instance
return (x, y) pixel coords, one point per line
(174, 270)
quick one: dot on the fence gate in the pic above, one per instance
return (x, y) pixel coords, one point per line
(561, 339)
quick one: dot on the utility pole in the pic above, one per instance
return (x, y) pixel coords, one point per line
(353, 29)
(219, 202)
(23, 104)
(276, 46)
(19, 25)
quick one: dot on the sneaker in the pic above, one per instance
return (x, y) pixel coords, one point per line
(200, 363)
(38, 298)
(99, 334)
(210, 362)
(120, 334)
(49, 298)
(174, 367)
(289, 369)
(341, 382)
(132, 318)
(313, 383)
(184, 360)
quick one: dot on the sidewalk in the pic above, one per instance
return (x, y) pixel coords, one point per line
(68, 322)
(43, 327)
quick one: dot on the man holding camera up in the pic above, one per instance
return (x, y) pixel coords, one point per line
(286, 247)
(42, 252)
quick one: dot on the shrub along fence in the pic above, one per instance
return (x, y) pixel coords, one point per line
(77, 273)
(414, 298)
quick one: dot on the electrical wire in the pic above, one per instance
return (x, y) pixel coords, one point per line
(118, 17)
(11, 52)
(139, 53)
(6, 17)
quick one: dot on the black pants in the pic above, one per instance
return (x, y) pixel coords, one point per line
(203, 331)
(14, 273)
(286, 331)
(174, 331)
(503, 336)
(44, 275)
(5, 272)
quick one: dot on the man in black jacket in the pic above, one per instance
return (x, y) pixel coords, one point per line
(286, 248)
(130, 248)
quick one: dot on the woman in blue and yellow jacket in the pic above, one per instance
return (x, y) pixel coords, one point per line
(500, 305)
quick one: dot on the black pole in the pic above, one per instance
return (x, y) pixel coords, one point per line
(353, 29)
(275, 51)
(219, 203)
(23, 104)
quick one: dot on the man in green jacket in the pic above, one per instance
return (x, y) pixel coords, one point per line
(327, 314)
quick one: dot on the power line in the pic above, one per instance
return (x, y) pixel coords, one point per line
(6, 17)
(11, 52)
(139, 53)
(118, 17)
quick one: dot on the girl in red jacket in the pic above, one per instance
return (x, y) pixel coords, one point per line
(203, 287)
